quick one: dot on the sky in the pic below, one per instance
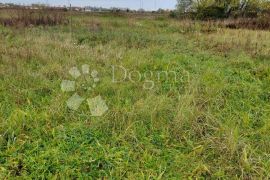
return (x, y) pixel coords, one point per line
(132, 4)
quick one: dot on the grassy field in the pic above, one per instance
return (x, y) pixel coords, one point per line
(213, 121)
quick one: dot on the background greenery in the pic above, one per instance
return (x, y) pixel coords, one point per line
(215, 9)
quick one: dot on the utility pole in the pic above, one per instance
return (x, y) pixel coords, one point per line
(141, 4)
(70, 25)
(70, 9)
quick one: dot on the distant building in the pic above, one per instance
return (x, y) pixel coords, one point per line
(141, 10)
(96, 9)
(4, 5)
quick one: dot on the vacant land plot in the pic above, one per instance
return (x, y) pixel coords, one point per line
(185, 99)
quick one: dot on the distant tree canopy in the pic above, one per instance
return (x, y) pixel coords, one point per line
(184, 5)
(222, 8)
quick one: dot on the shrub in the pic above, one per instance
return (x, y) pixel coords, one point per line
(173, 14)
(211, 12)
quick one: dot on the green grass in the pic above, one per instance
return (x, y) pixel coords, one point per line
(213, 122)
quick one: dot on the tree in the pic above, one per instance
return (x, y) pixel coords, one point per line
(222, 8)
(184, 5)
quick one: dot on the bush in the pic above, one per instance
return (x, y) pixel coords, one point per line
(173, 14)
(211, 12)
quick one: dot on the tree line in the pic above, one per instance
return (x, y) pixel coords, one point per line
(204, 9)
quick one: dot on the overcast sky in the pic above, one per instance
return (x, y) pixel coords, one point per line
(132, 4)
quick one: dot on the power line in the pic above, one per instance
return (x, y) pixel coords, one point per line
(141, 4)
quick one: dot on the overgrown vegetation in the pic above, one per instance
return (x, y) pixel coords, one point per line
(24, 17)
(216, 9)
(212, 123)
(252, 14)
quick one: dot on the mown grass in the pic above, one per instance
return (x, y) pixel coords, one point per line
(213, 122)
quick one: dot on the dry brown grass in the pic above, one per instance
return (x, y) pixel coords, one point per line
(262, 23)
(27, 17)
